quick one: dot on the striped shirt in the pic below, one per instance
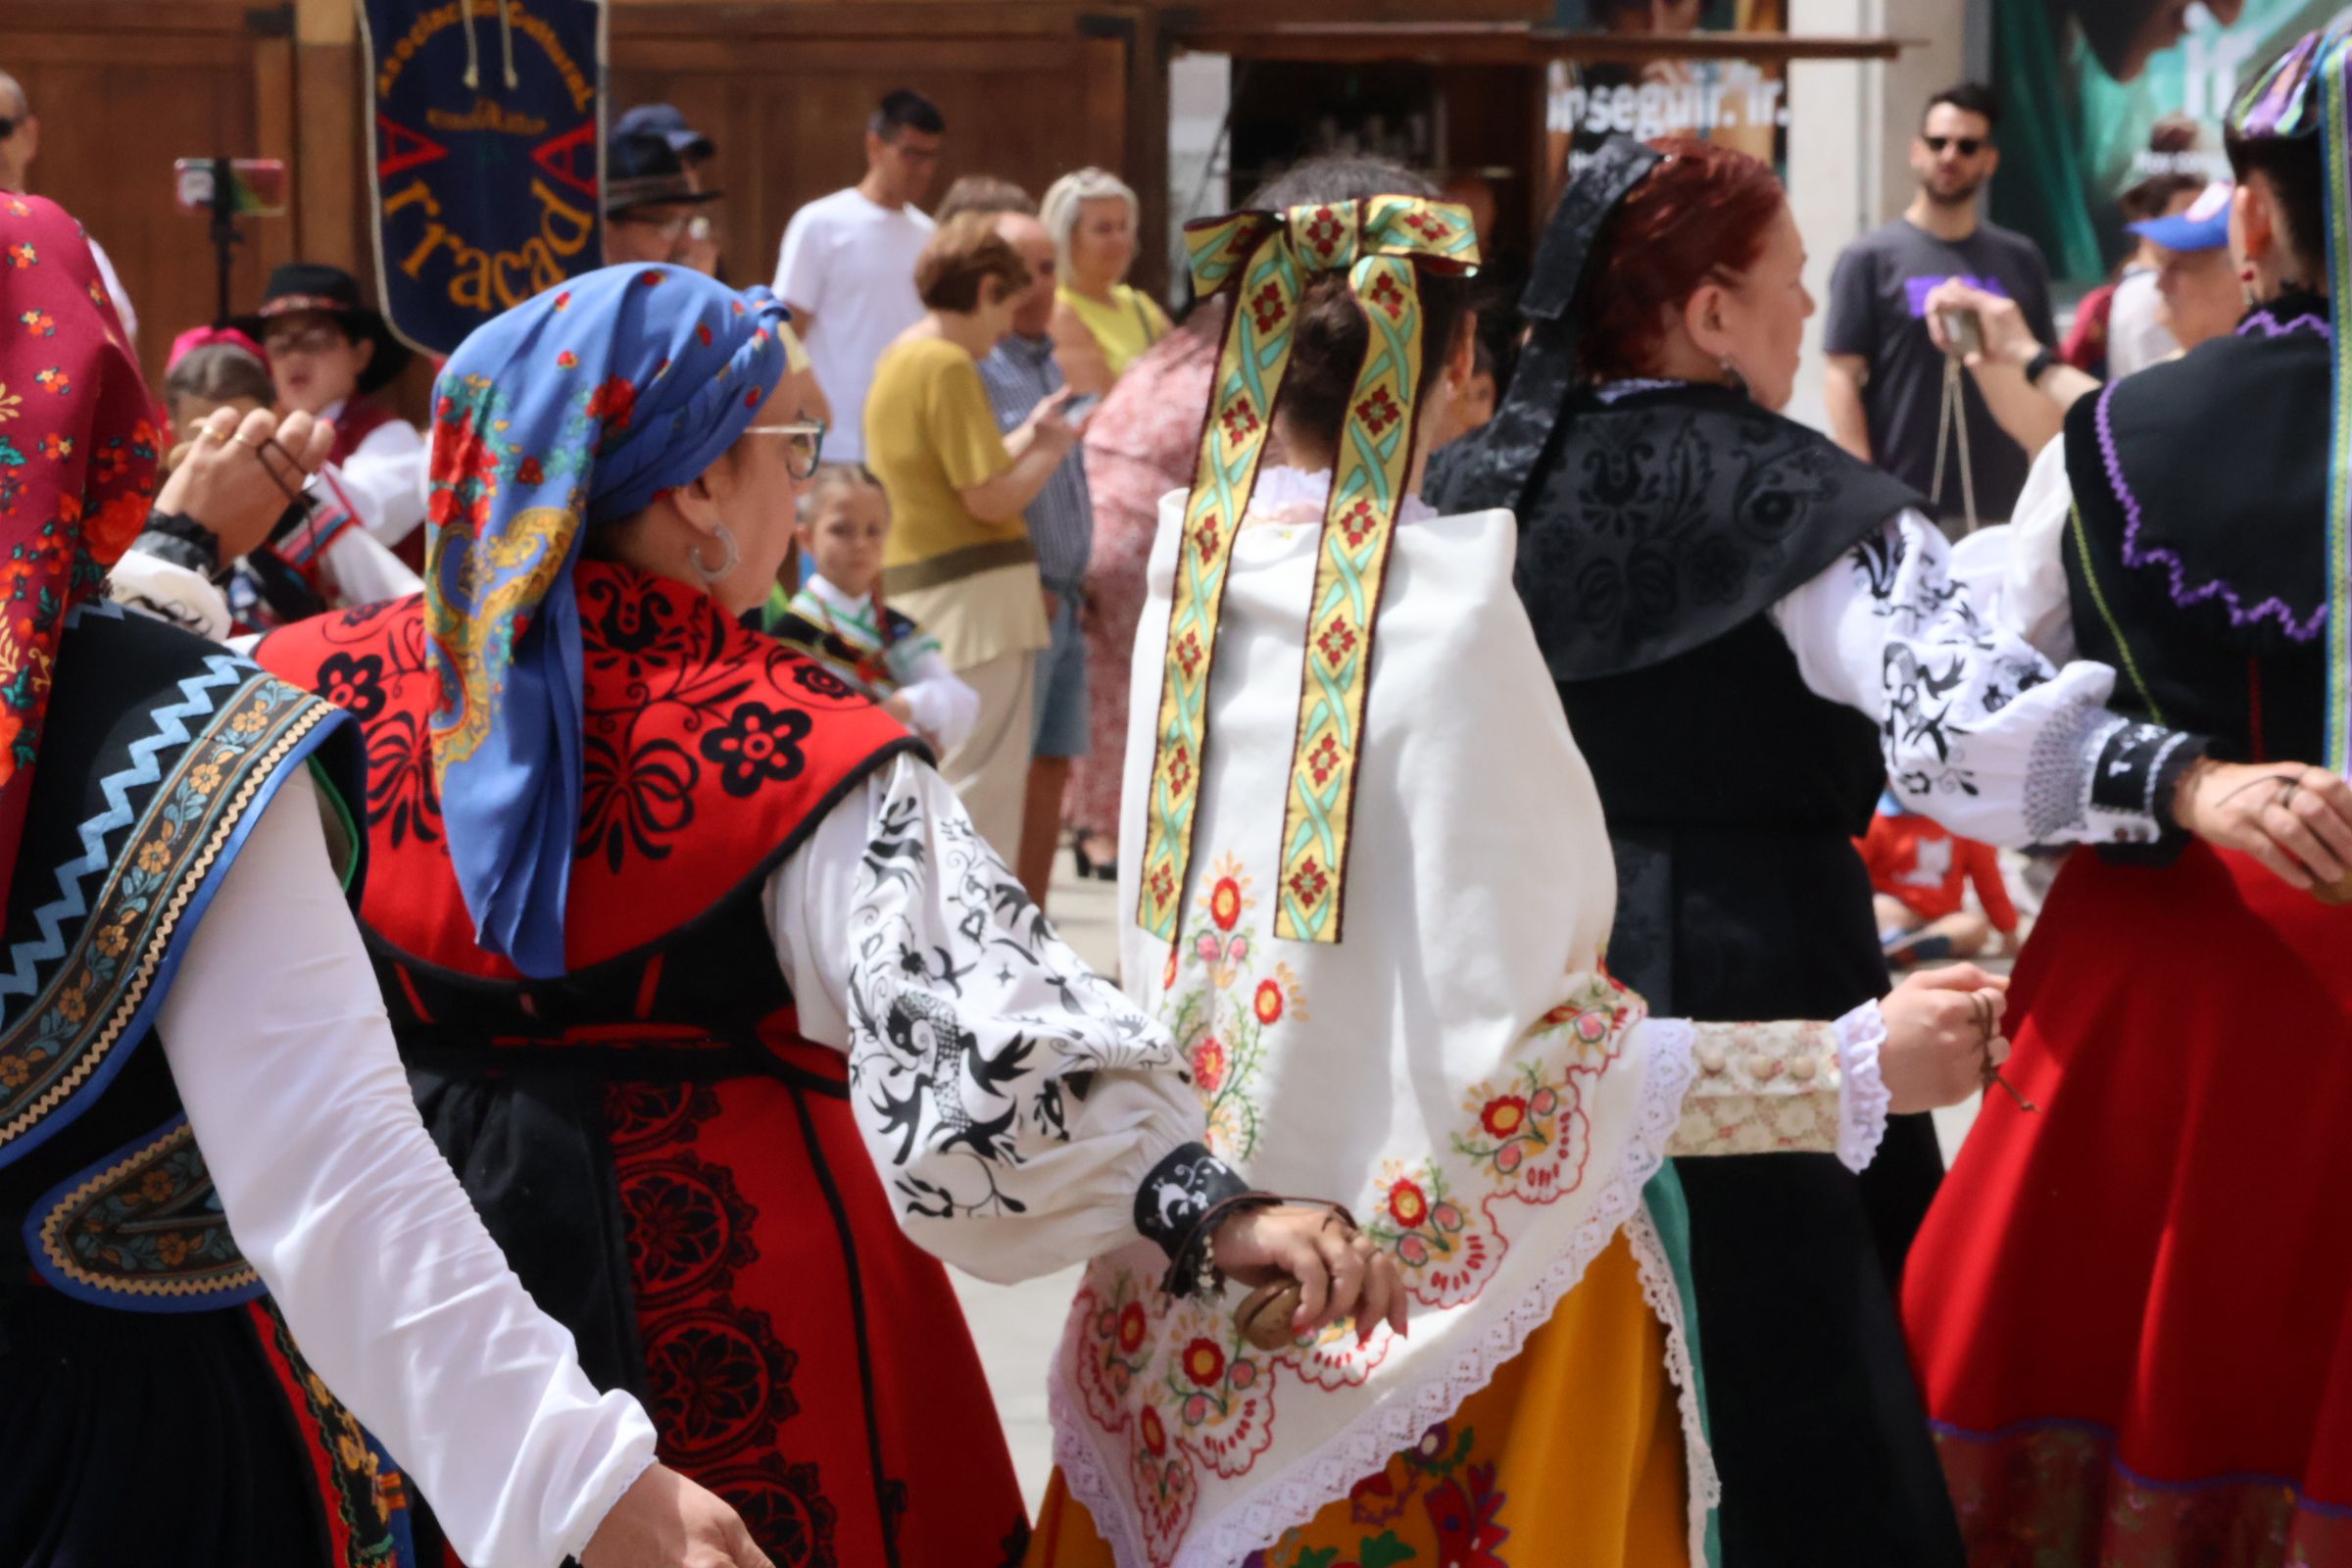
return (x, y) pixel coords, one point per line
(1019, 375)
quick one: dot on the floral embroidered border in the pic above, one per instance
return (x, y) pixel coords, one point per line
(145, 1222)
(65, 1038)
(2053, 1494)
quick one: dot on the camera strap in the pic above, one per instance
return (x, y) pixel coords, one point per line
(1954, 418)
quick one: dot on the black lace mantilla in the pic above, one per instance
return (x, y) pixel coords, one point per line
(1659, 521)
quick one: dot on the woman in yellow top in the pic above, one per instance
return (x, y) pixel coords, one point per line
(1100, 322)
(959, 559)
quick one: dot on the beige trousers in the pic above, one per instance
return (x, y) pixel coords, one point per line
(990, 770)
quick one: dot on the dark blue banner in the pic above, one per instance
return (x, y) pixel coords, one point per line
(487, 156)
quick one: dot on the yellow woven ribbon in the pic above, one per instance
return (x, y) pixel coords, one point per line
(1264, 259)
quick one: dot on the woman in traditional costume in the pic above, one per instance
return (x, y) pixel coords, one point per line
(191, 1045)
(1752, 635)
(676, 924)
(2132, 1311)
(1456, 1062)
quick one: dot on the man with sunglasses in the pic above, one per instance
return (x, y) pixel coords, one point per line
(1885, 386)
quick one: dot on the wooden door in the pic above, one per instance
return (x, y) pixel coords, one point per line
(1029, 93)
(122, 87)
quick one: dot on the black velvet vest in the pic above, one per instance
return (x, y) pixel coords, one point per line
(2196, 555)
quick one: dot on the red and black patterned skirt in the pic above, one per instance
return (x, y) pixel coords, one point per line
(2131, 1311)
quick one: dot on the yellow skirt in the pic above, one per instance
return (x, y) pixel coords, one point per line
(1573, 1454)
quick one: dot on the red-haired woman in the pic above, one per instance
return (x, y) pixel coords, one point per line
(1752, 634)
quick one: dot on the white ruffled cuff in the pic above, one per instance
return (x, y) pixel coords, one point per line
(1862, 1097)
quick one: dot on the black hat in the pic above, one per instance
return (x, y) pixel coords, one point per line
(669, 122)
(642, 168)
(311, 287)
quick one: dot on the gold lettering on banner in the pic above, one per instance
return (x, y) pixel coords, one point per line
(486, 116)
(484, 281)
(577, 84)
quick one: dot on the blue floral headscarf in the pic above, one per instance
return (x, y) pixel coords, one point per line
(573, 409)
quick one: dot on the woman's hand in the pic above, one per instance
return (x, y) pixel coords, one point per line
(238, 487)
(2008, 339)
(1340, 1272)
(2295, 818)
(1048, 431)
(665, 1521)
(1942, 1032)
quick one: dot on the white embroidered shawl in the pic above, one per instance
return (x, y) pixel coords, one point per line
(1456, 1070)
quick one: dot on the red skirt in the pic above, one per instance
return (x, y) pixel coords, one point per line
(2131, 1312)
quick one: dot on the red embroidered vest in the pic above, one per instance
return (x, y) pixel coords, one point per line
(709, 753)
(360, 419)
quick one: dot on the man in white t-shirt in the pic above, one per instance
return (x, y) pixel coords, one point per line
(847, 264)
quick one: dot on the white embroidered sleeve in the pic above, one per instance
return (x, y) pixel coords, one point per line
(938, 704)
(1762, 1087)
(1979, 730)
(1017, 1105)
(284, 1059)
(385, 478)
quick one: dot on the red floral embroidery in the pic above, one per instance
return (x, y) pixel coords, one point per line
(568, 360)
(1357, 522)
(1503, 1115)
(703, 332)
(613, 403)
(1155, 1434)
(1429, 225)
(21, 254)
(1387, 297)
(1336, 644)
(1240, 421)
(1322, 762)
(40, 323)
(528, 471)
(54, 447)
(648, 278)
(1323, 231)
(55, 381)
(1204, 1362)
(1208, 1061)
(1225, 903)
(1131, 1327)
(1267, 307)
(563, 301)
(1268, 1003)
(1408, 1204)
(1308, 883)
(1378, 412)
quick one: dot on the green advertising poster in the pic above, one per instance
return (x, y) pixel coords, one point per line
(2083, 84)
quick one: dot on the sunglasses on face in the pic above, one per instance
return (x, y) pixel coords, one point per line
(1965, 146)
(805, 444)
(8, 126)
(314, 340)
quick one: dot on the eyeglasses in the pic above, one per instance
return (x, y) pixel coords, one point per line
(669, 228)
(806, 442)
(311, 340)
(1965, 146)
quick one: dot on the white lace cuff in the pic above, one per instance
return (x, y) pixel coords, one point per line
(1863, 1101)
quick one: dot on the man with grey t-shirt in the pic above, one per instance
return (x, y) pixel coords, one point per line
(1885, 387)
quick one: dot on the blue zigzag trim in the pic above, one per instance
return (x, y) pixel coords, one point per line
(222, 670)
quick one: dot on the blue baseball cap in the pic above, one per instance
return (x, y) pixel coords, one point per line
(667, 121)
(2203, 227)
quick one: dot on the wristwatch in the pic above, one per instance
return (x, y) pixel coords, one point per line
(2040, 365)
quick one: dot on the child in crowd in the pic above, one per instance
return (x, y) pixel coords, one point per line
(321, 556)
(1916, 874)
(838, 618)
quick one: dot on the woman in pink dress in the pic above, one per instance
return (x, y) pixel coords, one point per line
(1141, 444)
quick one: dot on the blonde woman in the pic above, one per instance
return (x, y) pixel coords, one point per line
(1101, 324)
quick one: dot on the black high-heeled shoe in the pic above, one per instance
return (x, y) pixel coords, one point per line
(1089, 866)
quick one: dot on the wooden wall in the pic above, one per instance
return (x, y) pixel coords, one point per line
(1029, 92)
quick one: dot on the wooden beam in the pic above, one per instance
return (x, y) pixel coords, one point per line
(1514, 44)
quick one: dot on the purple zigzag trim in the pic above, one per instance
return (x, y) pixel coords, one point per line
(2276, 608)
(2270, 326)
